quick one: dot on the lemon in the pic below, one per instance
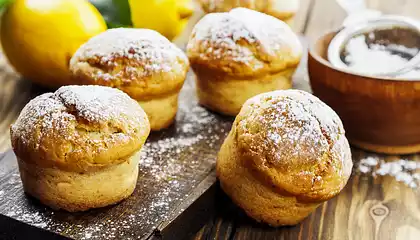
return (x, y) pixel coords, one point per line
(39, 37)
(169, 17)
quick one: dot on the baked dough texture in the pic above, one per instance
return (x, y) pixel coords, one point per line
(284, 10)
(286, 154)
(76, 147)
(239, 54)
(140, 62)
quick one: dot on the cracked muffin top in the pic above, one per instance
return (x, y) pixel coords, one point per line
(296, 141)
(79, 128)
(141, 62)
(244, 43)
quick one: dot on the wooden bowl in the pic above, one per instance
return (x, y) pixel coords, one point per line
(379, 114)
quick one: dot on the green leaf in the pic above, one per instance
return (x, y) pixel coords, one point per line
(4, 3)
(115, 12)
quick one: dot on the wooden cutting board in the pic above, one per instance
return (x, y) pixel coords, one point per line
(174, 194)
(176, 168)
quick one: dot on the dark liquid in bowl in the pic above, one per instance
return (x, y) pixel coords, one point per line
(382, 51)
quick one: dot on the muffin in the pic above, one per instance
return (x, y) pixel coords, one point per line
(140, 62)
(284, 10)
(78, 148)
(240, 54)
(285, 155)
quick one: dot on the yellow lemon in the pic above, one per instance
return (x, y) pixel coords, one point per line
(169, 17)
(39, 37)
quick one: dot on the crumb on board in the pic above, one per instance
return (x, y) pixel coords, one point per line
(162, 160)
(401, 170)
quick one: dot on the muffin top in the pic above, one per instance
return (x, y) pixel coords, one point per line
(243, 43)
(79, 128)
(281, 9)
(141, 62)
(296, 141)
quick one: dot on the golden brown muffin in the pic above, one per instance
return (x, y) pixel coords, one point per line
(140, 62)
(286, 154)
(240, 54)
(77, 148)
(284, 10)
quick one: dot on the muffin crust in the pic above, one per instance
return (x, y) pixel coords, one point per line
(286, 154)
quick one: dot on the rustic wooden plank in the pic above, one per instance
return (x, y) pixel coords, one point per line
(180, 172)
(348, 216)
(351, 214)
(176, 168)
(368, 208)
(14, 94)
(192, 213)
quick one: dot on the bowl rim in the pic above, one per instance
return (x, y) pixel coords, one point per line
(326, 63)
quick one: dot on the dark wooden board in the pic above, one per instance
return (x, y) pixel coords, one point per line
(176, 168)
(174, 194)
(348, 216)
(175, 191)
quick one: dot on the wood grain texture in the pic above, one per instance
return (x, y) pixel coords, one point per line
(176, 168)
(369, 208)
(173, 177)
(14, 94)
(377, 208)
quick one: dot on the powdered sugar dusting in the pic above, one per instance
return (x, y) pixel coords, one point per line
(54, 112)
(45, 108)
(189, 134)
(95, 103)
(296, 125)
(402, 170)
(33, 218)
(149, 48)
(222, 36)
(172, 164)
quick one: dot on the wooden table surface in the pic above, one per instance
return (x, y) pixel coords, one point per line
(369, 208)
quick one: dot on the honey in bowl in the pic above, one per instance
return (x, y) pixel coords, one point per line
(382, 51)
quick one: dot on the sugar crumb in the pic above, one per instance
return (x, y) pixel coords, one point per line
(162, 161)
(401, 170)
(364, 169)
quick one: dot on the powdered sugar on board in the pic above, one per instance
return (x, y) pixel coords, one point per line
(222, 35)
(401, 169)
(172, 164)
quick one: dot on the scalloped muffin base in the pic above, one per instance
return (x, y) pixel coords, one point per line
(161, 111)
(73, 191)
(226, 94)
(258, 200)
